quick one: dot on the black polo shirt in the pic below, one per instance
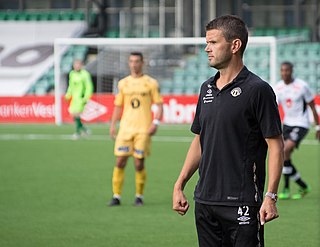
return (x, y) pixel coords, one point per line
(233, 123)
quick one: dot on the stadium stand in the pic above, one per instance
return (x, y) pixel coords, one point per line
(304, 55)
(33, 54)
(41, 16)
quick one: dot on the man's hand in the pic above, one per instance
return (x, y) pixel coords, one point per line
(179, 202)
(268, 210)
(153, 129)
(113, 132)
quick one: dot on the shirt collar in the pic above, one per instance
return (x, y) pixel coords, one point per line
(239, 78)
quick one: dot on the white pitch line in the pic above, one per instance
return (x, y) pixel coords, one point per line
(57, 137)
(52, 137)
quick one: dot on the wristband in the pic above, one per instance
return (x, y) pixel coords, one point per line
(317, 127)
(156, 122)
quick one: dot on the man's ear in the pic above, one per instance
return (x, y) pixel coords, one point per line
(236, 45)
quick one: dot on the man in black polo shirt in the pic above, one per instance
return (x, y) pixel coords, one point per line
(236, 122)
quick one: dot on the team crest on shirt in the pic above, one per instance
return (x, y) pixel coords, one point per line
(236, 92)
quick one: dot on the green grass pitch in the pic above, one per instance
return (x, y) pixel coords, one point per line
(54, 192)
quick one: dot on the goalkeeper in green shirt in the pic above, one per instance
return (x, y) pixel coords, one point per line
(79, 91)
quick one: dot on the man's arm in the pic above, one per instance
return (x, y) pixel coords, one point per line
(88, 87)
(268, 210)
(116, 115)
(69, 90)
(316, 118)
(158, 116)
(191, 164)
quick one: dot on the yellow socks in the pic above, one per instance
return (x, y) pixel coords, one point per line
(140, 182)
(117, 181)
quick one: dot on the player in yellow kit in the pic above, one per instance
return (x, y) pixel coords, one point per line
(137, 92)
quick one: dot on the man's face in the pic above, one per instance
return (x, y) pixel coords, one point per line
(135, 64)
(77, 65)
(218, 49)
(286, 73)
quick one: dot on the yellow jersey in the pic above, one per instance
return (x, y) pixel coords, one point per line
(136, 96)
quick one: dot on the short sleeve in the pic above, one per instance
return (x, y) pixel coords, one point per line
(308, 95)
(118, 101)
(196, 127)
(155, 93)
(266, 111)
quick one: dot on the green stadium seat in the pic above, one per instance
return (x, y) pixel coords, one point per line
(22, 16)
(54, 16)
(112, 34)
(258, 32)
(3, 16)
(12, 16)
(178, 90)
(44, 16)
(66, 16)
(165, 90)
(154, 34)
(33, 16)
(40, 90)
(78, 16)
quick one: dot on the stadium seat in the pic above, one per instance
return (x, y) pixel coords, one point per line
(78, 16)
(66, 16)
(54, 16)
(23, 16)
(3, 16)
(11, 16)
(34, 16)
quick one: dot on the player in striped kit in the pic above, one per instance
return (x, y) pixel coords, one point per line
(295, 96)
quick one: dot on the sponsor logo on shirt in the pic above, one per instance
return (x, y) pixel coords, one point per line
(289, 103)
(208, 98)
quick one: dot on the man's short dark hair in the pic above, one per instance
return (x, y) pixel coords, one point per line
(287, 63)
(137, 53)
(232, 27)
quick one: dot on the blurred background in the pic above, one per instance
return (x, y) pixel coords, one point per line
(29, 28)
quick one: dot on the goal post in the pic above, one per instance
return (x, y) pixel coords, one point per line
(182, 57)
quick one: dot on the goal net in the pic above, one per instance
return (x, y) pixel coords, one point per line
(179, 64)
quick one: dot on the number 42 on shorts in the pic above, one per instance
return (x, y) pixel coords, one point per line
(243, 213)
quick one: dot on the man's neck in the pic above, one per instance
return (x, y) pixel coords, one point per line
(229, 73)
(288, 81)
(136, 75)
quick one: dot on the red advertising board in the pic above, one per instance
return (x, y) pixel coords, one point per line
(27, 109)
(41, 109)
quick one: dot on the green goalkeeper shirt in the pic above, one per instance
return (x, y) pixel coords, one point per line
(80, 85)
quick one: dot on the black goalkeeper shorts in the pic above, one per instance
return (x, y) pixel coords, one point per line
(224, 226)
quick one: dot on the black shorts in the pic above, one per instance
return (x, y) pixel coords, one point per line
(294, 133)
(224, 226)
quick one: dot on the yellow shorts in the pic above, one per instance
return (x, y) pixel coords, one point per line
(135, 144)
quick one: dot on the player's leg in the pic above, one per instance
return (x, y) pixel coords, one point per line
(141, 149)
(76, 108)
(141, 177)
(122, 150)
(288, 168)
(293, 137)
(209, 228)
